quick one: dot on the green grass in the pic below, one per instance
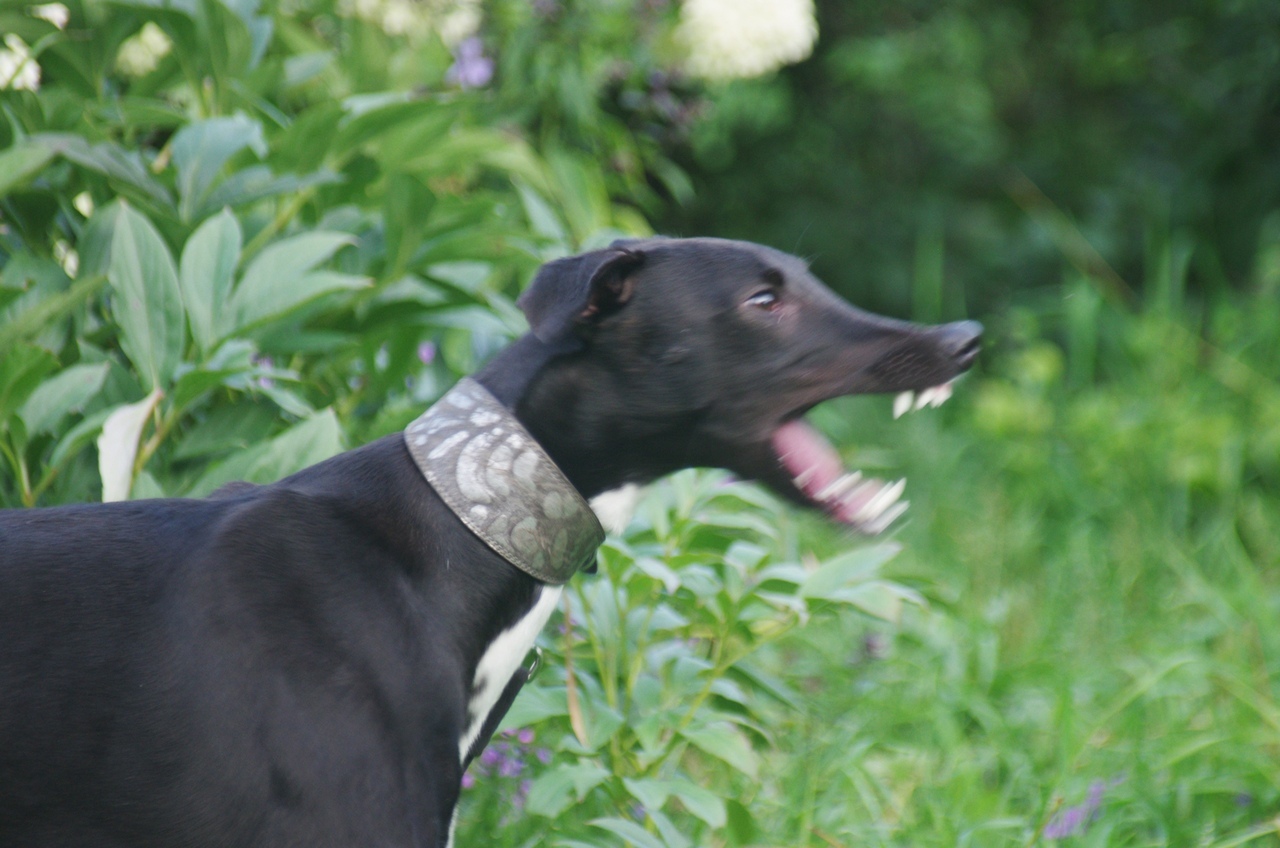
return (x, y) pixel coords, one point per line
(1099, 550)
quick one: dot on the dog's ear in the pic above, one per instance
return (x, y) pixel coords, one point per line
(578, 289)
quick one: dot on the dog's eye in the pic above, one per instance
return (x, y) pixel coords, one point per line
(765, 299)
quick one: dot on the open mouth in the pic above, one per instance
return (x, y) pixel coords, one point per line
(867, 504)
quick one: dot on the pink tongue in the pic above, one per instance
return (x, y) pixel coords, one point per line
(808, 456)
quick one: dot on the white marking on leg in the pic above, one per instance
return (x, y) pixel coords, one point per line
(453, 826)
(500, 661)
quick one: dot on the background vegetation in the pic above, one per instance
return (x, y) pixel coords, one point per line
(236, 237)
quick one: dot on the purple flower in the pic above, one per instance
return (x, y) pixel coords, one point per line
(1074, 820)
(427, 353)
(543, 755)
(525, 736)
(470, 68)
(490, 756)
(468, 780)
(510, 767)
(265, 363)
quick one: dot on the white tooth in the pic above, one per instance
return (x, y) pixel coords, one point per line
(925, 397)
(940, 395)
(839, 486)
(881, 500)
(902, 404)
(879, 525)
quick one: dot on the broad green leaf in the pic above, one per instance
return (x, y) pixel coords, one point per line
(67, 391)
(257, 182)
(34, 292)
(123, 166)
(280, 278)
(630, 832)
(701, 802)
(878, 598)
(205, 273)
(21, 371)
(200, 150)
(147, 303)
(535, 704)
(407, 209)
(20, 163)
(77, 438)
(145, 486)
(650, 792)
(553, 791)
(843, 569)
(95, 240)
(724, 741)
(741, 823)
(118, 446)
(228, 366)
(667, 830)
(306, 443)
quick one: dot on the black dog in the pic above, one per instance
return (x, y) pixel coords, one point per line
(313, 663)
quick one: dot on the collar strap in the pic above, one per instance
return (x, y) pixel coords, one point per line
(496, 478)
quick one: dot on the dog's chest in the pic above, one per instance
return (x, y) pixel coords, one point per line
(501, 659)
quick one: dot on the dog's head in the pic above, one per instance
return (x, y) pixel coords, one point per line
(707, 352)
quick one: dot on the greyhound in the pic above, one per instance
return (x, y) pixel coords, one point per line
(315, 662)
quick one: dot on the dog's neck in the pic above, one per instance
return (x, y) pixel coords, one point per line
(576, 413)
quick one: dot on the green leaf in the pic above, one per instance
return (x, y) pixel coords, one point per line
(123, 166)
(742, 826)
(879, 598)
(630, 832)
(20, 163)
(226, 367)
(38, 296)
(407, 210)
(147, 303)
(200, 151)
(700, 802)
(255, 183)
(77, 438)
(838, 572)
(205, 272)
(280, 279)
(63, 393)
(553, 791)
(535, 704)
(724, 741)
(21, 371)
(313, 440)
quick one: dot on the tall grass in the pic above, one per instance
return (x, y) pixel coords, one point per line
(1096, 525)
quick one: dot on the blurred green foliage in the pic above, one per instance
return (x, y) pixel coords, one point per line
(934, 157)
(237, 236)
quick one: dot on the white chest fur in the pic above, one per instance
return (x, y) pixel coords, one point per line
(501, 659)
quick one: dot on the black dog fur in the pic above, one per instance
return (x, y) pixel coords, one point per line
(290, 665)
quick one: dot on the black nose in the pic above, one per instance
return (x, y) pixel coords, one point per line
(961, 340)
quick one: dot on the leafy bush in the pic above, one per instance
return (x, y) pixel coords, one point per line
(655, 720)
(281, 265)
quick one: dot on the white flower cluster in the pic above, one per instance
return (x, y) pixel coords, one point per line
(140, 53)
(737, 39)
(452, 20)
(18, 68)
(55, 13)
